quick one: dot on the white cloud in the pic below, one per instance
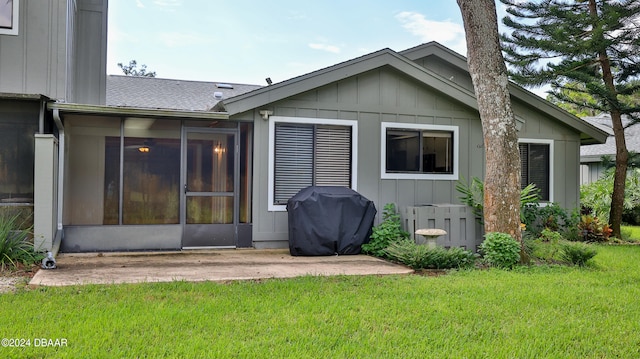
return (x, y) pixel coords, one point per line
(325, 47)
(139, 4)
(446, 32)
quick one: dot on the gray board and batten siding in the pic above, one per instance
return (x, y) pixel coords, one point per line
(60, 59)
(384, 87)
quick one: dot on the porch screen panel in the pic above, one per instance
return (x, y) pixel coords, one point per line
(151, 172)
(333, 156)
(293, 160)
(17, 155)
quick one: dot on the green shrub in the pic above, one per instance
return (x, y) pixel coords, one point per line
(15, 244)
(553, 217)
(419, 256)
(500, 250)
(597, 195)
(577, 253)
(387, 232)
(548, 235)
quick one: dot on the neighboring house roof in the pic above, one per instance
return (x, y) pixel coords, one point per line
(159, 93)
(594, 153)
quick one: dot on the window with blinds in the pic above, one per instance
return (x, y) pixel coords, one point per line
(308, 155)
(534, 167)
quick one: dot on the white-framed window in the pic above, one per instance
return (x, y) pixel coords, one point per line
(9, 17)
(536, 166)
(310, 151)
(419, 151)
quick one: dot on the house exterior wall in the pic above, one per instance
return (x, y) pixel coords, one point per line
(591, 172)
(566, 152)
(385, 95)
(58, 41)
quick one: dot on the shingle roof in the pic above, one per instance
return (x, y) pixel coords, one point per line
(592, 153)
(159, 93)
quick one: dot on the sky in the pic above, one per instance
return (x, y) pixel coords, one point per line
(246, 41)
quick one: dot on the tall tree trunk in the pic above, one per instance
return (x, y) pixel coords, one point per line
(622, 154)
(490, 81)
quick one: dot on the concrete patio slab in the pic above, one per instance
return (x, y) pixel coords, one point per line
(204, 265)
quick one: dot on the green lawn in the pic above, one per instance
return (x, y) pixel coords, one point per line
(634, 232)
(542, 312)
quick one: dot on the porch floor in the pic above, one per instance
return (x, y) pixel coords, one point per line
(204, 265)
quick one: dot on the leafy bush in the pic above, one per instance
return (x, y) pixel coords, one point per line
(548, 235)
(597, 195)
(15, 244)
(592, 230)
(500, 250)
(552, 217)
(387, 232)
(418, 256)
(577, 253)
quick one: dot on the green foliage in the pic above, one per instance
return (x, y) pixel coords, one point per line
(387, 232)
(552, 217)
(631, 233)
(419, 256)
(591, 229)
(551, 247)
(132, 70)
(472, 195)
(574, 36)
(548, 235)
(577, 253)
(15, 244)
(500, 250)
(575, 98)
(596, 196)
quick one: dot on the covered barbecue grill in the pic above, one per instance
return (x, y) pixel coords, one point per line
(326, 220)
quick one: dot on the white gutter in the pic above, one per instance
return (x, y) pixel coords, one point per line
(58, 122)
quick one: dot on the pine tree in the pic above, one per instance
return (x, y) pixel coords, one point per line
(595, 43)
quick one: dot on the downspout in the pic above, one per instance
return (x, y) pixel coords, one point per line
(59, 232)
(43, 106)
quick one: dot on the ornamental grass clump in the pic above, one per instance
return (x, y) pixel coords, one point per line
(500, 250)
(419, 256)
(15, 244)
(577, 253)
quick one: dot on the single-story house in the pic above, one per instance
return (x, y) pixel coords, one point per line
(170, 164)
(110, 163)
(591, 166)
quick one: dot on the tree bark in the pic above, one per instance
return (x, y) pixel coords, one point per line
(502, 156)
(622, 154)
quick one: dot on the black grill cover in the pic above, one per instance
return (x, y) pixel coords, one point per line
(326, 220)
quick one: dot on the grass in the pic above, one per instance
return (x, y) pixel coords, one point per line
(557, 312)
(634, 232)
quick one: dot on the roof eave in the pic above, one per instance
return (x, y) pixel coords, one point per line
(23, 96)
(589, 134)
(134, 111)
